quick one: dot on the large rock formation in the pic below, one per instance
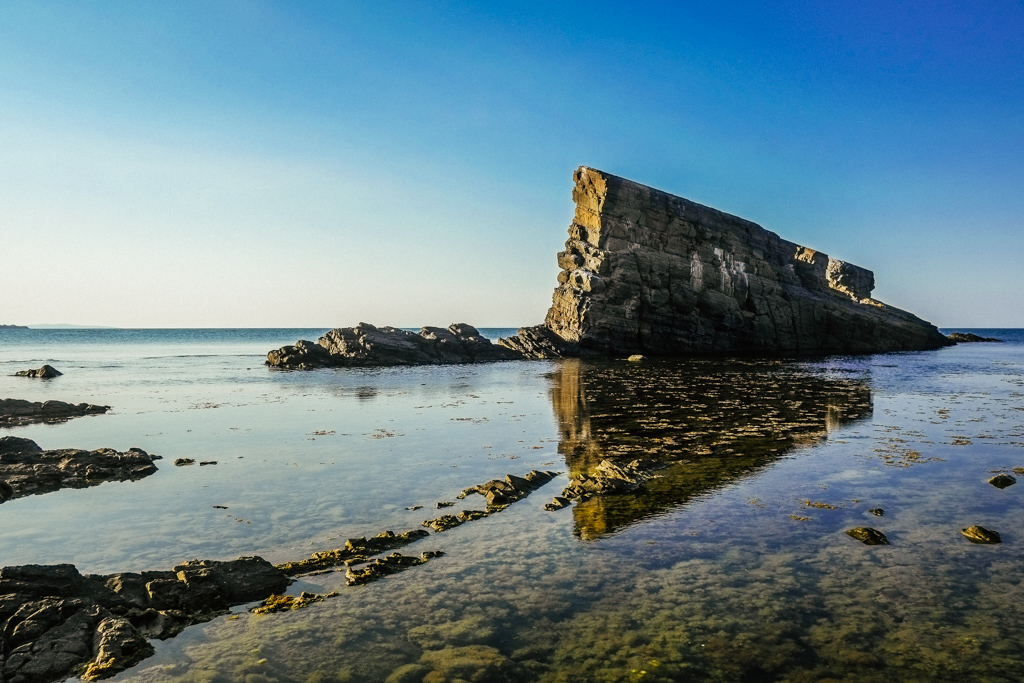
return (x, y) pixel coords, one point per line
(645, 271)
(368, 346)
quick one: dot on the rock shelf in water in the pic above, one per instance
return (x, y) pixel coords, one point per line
(15, 412)
(45, 372)
(26, 469)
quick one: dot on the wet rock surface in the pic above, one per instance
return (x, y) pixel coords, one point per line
(45, 372)
(501, 492)
(15, 412)
(868, 536)
(970, 338)
(368, 346)
(381, 567)
(645, 271)
(57, 622)
(26, 469)
(355, 549)
(284, 603)
(979, 534)
(1001, 481)
(610, 478)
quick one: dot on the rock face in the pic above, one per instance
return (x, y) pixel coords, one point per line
(55, 622)
(45, 372)
(369, 346)
(15, 412)
(645, 271)
(26, 469)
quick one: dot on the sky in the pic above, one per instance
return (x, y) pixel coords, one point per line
(319, 164)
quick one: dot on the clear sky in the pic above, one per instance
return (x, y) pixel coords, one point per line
(264, 164)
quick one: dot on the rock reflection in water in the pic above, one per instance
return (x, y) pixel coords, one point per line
(715, 420)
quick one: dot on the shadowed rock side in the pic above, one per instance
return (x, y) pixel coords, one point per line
(708, 421)
(647, 272)
(57, 622)
(369, 346)
(15, 412)
(26, 469)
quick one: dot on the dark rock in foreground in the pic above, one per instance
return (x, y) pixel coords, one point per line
(968, 338)
(369, 346)
(57, 622)
(15, 412)
(26, 469)
(648, 272)
(45, 372)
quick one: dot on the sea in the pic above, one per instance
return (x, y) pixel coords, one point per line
(733, 564)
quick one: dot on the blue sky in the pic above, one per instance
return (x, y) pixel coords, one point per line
(319, 164)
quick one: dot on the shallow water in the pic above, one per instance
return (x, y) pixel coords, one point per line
(734, 566)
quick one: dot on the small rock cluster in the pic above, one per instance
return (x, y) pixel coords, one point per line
(609, 478)
(356, 549)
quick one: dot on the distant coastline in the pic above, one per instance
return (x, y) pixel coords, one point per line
(13, 327)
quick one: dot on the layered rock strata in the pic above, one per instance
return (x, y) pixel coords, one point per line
(645, 271)
(367, 346)
(26, 469)
(15, 412)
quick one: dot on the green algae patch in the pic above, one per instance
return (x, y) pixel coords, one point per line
(283, 603)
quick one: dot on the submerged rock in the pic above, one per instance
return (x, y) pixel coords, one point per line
(184, 462)
(15, 412)
(968, 338)
(45, 372)
(877, 512)
(1001, 481)
(367, 346)
(868, 536)
(392, 564)
(26, 469)
(735, 287)
(284, 603)
(355, 549)
(979, 534)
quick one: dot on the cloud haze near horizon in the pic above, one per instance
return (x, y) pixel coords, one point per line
(286, 164)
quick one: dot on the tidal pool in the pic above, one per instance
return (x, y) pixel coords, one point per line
(732, 566)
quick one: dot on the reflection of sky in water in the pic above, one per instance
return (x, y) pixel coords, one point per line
(707, 576)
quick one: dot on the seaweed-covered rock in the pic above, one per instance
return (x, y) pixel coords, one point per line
(979, 534)
(501, 492)
(15, 412)
(29, 470)
(868, 536)
(283, 603)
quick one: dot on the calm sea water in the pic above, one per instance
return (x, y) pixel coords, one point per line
(734, 566)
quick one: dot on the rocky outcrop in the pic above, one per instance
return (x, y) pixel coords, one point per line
(55, 622)
(369, 346)
(647, 272)
(970, 337)
(26, 469)
(45, 372)
(15, 412)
